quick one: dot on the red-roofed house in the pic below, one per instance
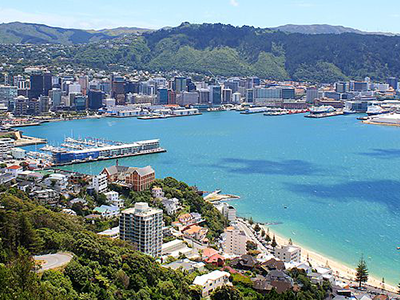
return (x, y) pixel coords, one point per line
(14, 170)
(216, 260)
(208, 252)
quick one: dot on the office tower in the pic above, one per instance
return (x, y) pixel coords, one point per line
(44, 104)
(233, 84)
(190, 85)
(226, 95)
(250, 95)
(215, 94)
(180, 84)
(84, 83)
(80, 102)
(204, 96)
(142, 226)
(393, 82)
(55, 96)
(312, 94)
(95, 99)
(171, 97)
(118, 89)
(73, 88)
(252, 82)
(36, 88)
(20, 106)
(131, 87)
(360, 86)
(187, 98)
(7, 94)
(47, 83)
(33, 107)
(162, 96)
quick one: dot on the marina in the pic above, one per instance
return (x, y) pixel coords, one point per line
(73, 151)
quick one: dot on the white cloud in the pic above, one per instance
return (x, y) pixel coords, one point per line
(234, 3)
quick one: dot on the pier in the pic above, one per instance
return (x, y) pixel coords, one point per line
(324, 115)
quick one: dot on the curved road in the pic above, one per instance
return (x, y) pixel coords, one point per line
(53, 261)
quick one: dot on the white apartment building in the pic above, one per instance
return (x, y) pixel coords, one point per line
(99, 183)
(157, 192)
(229, 212)
(5, 146)
(171, 206)
(288, 253)
(209, 282)
(235, 241)
(142, 225)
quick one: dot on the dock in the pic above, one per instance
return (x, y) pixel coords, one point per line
(29, 141)
(216, 196)
(155, 117)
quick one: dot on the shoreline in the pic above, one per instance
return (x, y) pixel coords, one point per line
(340, 269)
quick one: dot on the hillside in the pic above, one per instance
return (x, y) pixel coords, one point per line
(29, 33)
(215, 48)
(317, 29)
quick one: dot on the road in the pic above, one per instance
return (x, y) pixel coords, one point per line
(242, 225)
(53, 261)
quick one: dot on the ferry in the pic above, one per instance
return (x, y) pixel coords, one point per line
(322, 109)
(375, 108)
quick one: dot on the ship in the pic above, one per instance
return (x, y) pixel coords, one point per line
(321, 109)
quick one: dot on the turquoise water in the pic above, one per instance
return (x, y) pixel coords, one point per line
(339, 178)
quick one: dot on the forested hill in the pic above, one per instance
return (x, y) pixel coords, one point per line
(226, 49)
(220, 49)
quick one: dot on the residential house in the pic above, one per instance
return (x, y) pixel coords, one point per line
(216, 260)
(245, 262)
(57, 181)
(280, 281)
(274, 264)
(112, 233)
(175, 248)
(171, 206)
(209, 282)
(186, 265)
(14, 170)
(196, 232)
(113, 199)
(157, 192)
(46, 196)
(107, 211)
(68, 211)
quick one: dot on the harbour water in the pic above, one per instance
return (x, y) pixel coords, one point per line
(334, 183)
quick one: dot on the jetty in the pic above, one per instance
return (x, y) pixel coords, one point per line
(216, 196)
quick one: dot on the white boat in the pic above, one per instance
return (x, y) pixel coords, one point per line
(375, 109)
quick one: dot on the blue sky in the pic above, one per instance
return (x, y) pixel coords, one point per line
(366, 15)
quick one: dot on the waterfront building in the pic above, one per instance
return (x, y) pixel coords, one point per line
(187, 98)
(236, 98)
(80, 102)
(249, 95)
(288, 253)
(341, 87)
(99, 183)
(226, 95)
(204, 95)
(211, 281)
(84, 83)
(142, 226)
(359, 86)
(312, 93)
(95, 99)
(215, 94)
(139, 179)
(288, 93)
(162, 96)
(235, 241)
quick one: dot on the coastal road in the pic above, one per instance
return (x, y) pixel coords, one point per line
(53, 261)
(243, 226)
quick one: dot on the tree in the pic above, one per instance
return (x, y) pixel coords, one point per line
(251, 222)
(362, 272)
(250, 245)
(263, 233)
(226, 293)
(290, 242)
(267, 238)
(257, 228)
(274, 243)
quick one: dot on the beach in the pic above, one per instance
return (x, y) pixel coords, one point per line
(340, 270)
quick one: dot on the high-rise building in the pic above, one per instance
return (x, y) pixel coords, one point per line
(20, 106)
(33, 107)
(288, 93)
(7, 94)
(236, 97)
(95, 99)
(171, 97)
(162, 96)
(80, 102)
(235, 241)
(341, 87)
(226, 95)
(180, 84)
(47, 83)
(44, 104)
(250, 95)
(99, 183)
(36, 88)
(142, 226)
(215, 94)
(84, 83)
(204, 96)
(187, 98)
(312, 94)
(55, 96)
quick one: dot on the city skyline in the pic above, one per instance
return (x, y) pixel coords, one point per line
(154, 15)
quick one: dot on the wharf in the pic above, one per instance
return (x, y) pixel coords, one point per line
(166, 116)
(216, 196)
(29, 141)
(159, 150)
(324, 115)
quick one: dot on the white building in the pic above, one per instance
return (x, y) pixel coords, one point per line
(99, 183)
(18, 153)
(157, 192)
(171, 206)
(288, 253)
(229, 212)
(209, 282)
(14, 170)
(5, 146)
(58, 181)
(142, 225)
(236, 98)
(107, 211)
(235, 241)
(112, 233)
(113, 199)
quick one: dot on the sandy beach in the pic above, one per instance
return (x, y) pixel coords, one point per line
(340, 270)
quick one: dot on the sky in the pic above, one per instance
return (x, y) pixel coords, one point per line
(367, 15)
